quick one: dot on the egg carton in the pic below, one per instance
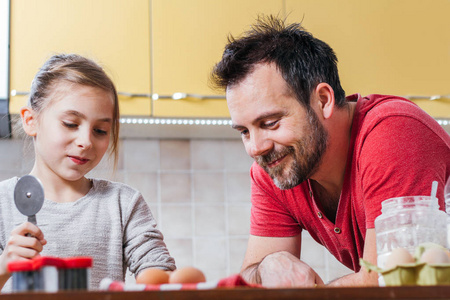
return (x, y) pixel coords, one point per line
(417, 273)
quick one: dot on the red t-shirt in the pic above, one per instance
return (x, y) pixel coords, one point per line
(396, 150)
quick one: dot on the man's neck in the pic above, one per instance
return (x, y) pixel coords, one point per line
(328, 181)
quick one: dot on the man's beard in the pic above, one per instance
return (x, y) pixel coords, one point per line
(306, 156)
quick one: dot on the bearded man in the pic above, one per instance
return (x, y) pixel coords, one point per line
(324, 162)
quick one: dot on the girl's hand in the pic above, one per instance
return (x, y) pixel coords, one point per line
(25, 242)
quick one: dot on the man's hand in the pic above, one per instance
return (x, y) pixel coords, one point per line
(26, 241)
(282, 269)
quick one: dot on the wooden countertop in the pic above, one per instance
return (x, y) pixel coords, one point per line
(415, 292)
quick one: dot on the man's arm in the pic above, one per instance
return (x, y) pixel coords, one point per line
(259, 247)
(274, 262)
(362, 278)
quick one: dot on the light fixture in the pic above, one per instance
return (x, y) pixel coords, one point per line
(172, 121)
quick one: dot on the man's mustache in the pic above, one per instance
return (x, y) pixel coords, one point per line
(265, 160)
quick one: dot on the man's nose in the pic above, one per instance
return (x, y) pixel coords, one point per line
(259, 145)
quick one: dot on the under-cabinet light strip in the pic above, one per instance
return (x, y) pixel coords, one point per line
(226, 122)
(174, 121)
(443, 122)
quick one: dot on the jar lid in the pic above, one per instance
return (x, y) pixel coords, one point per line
(20, 266)
(78, 262)
(409, 202)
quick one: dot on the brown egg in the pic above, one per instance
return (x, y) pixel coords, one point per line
(152, 276)
(187, 275)
(399, 256)
(435, 256)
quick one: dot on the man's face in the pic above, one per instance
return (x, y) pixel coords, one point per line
(283, 137)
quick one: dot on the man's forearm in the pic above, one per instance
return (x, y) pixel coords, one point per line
(362, 278)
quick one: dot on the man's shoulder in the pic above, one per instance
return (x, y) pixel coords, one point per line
(375, 108)
(389, 105)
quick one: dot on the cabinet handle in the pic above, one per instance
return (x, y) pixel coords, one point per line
(180, 96)
(174, 96)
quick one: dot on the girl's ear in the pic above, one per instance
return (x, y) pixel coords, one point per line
(28, 121)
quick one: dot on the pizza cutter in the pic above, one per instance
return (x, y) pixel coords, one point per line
(29, 196)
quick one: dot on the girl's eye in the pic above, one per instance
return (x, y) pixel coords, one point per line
(70, 125)
(100, 132)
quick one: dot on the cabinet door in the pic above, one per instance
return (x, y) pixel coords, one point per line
(188, 38)
(115, 33)
(398, 47)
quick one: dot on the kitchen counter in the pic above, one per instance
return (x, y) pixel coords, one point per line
(416, 292)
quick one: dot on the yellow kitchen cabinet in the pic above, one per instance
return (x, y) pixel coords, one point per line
(115, 33)
(399, 47)
(188, 38)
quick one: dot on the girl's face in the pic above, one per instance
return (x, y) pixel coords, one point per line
(72, 132)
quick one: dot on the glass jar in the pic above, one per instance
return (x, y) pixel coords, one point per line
(407, 222)
(447, 209)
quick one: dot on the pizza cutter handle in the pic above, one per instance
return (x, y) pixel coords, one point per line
(31, 219)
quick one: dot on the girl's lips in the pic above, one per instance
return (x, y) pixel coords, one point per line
(79, 160)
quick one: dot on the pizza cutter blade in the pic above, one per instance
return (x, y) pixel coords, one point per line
(29, 196)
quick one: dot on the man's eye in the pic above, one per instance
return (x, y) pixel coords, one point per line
(270, 124)
(244, 132)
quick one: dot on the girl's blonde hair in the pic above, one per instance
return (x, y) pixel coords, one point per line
(77, 69)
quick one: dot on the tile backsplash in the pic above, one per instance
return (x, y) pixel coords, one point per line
(199, 193)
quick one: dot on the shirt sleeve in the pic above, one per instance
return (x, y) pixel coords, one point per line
(143, 244)
(269, 213)
(400, 156)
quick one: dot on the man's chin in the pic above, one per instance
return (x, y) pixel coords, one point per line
(285, 183)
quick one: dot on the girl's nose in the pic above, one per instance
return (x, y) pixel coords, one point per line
(84, 140)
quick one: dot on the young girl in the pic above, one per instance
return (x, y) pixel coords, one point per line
(73, 117)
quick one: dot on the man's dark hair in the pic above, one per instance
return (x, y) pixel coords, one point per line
(303, 60)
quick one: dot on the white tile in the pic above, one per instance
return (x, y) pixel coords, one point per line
(129, 277)
(175, 154)
(208, 187)
(312, 252)
(181, 251)
(141, 155)
(210, 253)
(238, 187)
(236, 159)
(176, 221)
(215, 274)
(209, 220)
(239, 219)
(144, 182)
(11, 159)
(335, 268)
(207, 154)
(175, 187)
(238, 246)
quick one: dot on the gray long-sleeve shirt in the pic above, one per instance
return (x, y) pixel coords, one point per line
(111, 223)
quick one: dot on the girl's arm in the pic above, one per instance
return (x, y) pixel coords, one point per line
(144, 246)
